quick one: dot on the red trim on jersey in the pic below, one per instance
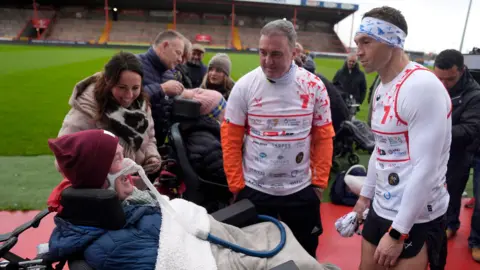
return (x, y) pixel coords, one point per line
(281, 115)
(393, 160)
(389, 133)
(397, 90)
(451, 108)
(279, 140)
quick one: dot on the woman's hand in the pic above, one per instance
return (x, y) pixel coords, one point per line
(152, 165)
(172, 88)
(153, 160)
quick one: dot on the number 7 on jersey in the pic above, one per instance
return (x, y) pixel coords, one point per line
(386, 110)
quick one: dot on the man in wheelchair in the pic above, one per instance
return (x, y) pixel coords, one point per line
(105, 221)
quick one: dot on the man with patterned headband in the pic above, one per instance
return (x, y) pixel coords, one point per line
(405, 227)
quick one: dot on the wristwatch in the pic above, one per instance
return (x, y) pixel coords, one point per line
(396, 234)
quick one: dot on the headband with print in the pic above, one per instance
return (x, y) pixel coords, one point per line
(382, 31)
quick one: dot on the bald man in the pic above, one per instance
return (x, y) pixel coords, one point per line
(352, 79)
(307, 59)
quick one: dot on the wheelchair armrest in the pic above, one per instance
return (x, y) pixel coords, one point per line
(290, 265)
(239, 214)
(25, 226)
(7, 245)
(190, 177)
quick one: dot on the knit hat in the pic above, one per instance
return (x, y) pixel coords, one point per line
(222, 62)
(85, 157)
(212, 103)
(198, 47)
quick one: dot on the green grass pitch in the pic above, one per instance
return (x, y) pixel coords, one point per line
(35, 84)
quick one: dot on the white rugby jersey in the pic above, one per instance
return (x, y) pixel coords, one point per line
(278, 118)
(412, 126)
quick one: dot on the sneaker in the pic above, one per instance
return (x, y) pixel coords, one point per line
(476, 254)
(470, 203)
(464, 194)
(450, 233)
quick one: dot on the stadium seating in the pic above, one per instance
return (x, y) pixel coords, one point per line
(77, 29)
(139, 26)
(220, 34)
(77, 24)
(314, 35)
(311, 40)
(12, 21)
(135, 32)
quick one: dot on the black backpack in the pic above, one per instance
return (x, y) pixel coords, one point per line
(339, 193)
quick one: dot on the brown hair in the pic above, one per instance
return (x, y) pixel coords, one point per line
(389, 14)
(227, 85)
(122, 61)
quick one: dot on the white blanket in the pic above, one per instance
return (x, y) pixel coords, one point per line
(180, 250)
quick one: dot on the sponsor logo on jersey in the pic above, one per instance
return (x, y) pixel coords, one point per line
(259, 143)
(380, 138)
(393, 179)
(381, 152)
(271, 123)
(256, 171)
(282, 145)
(395, 140)
(291, 122)
(299, 157)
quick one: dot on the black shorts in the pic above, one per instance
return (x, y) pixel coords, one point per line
(431, 233)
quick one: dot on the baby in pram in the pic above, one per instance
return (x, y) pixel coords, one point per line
(151, 237)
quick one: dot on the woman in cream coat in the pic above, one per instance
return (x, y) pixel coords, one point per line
(115, 101)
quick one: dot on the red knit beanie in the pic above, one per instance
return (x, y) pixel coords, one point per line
(85, 157)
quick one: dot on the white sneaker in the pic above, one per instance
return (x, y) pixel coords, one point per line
(464, 194)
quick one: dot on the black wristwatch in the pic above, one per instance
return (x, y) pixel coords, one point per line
(396, 234)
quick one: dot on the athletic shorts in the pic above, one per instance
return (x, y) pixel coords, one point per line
(431, 233)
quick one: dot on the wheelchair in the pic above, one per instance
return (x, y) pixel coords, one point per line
(177, 178)
(101, 208)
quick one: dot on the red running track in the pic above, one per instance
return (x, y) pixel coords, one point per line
(344, 252)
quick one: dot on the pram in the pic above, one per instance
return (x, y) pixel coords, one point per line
(87, 207)
(351, 102)
(353, 135)
(177, 178)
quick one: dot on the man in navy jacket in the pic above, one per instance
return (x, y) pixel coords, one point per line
(165, 53)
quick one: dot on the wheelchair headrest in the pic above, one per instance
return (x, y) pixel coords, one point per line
(185, 109)
(99, 208)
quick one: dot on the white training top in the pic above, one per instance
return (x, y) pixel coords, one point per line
(278, 118)
(412, 126)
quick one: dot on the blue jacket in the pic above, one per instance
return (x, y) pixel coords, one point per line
(154, 74)
(133, 247)
(310, 64)
(196, 72)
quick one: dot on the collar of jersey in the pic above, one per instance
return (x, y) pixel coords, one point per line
(288, 77)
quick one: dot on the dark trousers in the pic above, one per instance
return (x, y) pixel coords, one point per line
(457, 178)
(300, 211)
(437, 247)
